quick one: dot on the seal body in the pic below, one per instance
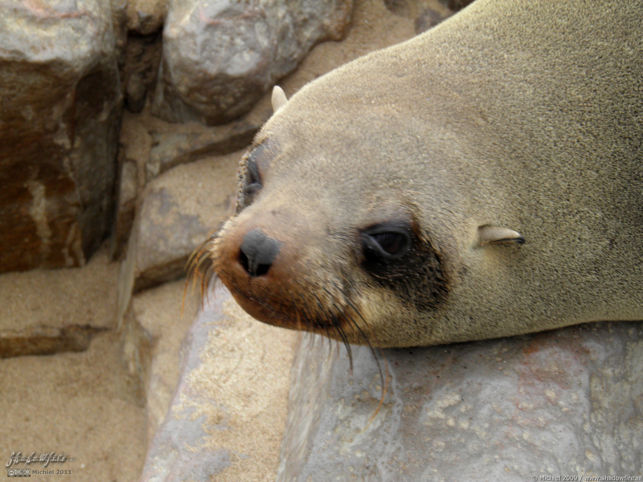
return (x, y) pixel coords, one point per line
(374, 205)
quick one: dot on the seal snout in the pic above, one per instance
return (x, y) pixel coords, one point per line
(257, 252)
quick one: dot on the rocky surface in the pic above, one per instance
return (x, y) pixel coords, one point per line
(44, 311)
(140, 62)
(152, 334)
(60, 98)
(566, 402)
(145, 17)
(150, 147)
(180, 210)
(220, 57)
(227, 416)
(79, 405)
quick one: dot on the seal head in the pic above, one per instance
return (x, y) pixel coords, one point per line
(479, 180)
(312, 265)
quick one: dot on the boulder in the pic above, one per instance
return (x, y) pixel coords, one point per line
(221, 56)
(60, 105)
(150, 147)
(179, 210)
(554, 404)
(145, 16)
(227, 416)
(151, 336)
(51, 311)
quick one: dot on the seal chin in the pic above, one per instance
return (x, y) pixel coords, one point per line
(283, 304)
(259, 309)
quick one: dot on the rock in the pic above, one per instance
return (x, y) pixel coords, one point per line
(221, 56)
(192, 141)
(60, 107)
(141, 59)
(227, 417)
(44, 311)
(153, 332)
(150, 147)
(427, 13)
(80, 406)
(126, 195)
(135, 145)
(562, 402)
(412, 8)
(429, 18)
(456, 5)
(146, 16)
(179, 211)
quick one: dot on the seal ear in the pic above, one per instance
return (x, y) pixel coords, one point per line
(489, 234)
(278, 98)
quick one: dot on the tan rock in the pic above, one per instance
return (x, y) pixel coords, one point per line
(227, 417)
(45, 311)
(78, 405)
(179, 210)
(60, 104)
(152, 345)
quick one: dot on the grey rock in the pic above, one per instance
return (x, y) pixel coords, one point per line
(60, 105)
(566, 402)
(151, 334)
(429, 18)
(228, 412)
(221, 56)
(194, 141)
(179, 210)
(150, 147)
(186, 426)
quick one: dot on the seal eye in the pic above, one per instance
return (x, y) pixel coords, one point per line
(386, 241)
(253, 180)
(250, 182)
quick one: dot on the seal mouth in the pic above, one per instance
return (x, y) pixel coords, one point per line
(285, 299)
(292, 303)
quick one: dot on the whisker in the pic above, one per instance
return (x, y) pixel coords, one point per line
(200, 270)
(347, 345)
(363, 336)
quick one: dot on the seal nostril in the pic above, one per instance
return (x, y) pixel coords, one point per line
(243, 260)
(258, 252)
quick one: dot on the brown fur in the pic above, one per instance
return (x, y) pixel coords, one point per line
(522, 115)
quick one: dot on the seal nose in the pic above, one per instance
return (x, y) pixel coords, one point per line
(258, 252)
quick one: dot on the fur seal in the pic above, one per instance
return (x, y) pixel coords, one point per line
(388, 201)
